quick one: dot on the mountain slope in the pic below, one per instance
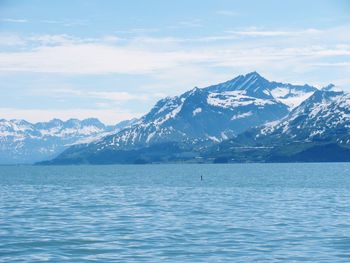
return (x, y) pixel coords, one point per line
(25, 142)
(254, 85)
(201, 117)
(317, 130)
(325, 116)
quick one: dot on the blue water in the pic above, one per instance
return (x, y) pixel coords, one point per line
(165, 213)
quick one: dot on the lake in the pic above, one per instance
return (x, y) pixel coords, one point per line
(166, 213)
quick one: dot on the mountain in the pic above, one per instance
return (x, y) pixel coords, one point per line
(317, 130)
(254, 85)
(325, 116)
(190, 122)
(25, 142)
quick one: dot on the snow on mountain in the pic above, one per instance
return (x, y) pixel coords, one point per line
(212, 113)
(208, 115)
(318, 130)
(25, 142)
(255, 86)
(215, 112)
(325, 116)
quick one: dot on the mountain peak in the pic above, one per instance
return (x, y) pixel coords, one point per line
(252, 77)
(253, 74)
(332, 87)
(92, 122)
(252, 83)
(54, 121)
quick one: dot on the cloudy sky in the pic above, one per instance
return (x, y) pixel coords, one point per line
(114, 59)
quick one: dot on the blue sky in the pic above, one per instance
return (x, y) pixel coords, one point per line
(114, 59)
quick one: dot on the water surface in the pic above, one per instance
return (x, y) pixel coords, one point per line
(165, 213)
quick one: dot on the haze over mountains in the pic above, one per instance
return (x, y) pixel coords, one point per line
(25, 142)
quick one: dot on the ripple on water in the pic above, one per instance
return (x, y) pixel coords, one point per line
(164, 213)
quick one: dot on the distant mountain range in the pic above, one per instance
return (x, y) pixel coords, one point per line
(25, 142)
(246, 119)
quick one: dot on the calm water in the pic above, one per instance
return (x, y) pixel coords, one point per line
(165, 213)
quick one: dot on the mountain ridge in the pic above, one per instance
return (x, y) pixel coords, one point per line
(317, 130)
(220, 104)
(197, 119)
(25, 142)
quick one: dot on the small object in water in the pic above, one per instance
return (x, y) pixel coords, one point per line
(201, 178)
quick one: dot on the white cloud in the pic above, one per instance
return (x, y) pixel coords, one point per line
(176, 64)
(51, 21)
(11, 40)
(172, 82)
(117, 96)
(112, 96)
(173, 65)
(275, 33)
(53, 39)
(332, 64)
(108, 116)
(14, 20)
(94, 59)
(88, 56)
(111, 39)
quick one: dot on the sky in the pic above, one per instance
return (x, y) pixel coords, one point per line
(114, 59)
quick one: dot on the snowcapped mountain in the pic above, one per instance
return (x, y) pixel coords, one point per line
(325, 116)
(317, 130)
(255, 86)
(214, 113)
(25, 142)
(203, 116)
